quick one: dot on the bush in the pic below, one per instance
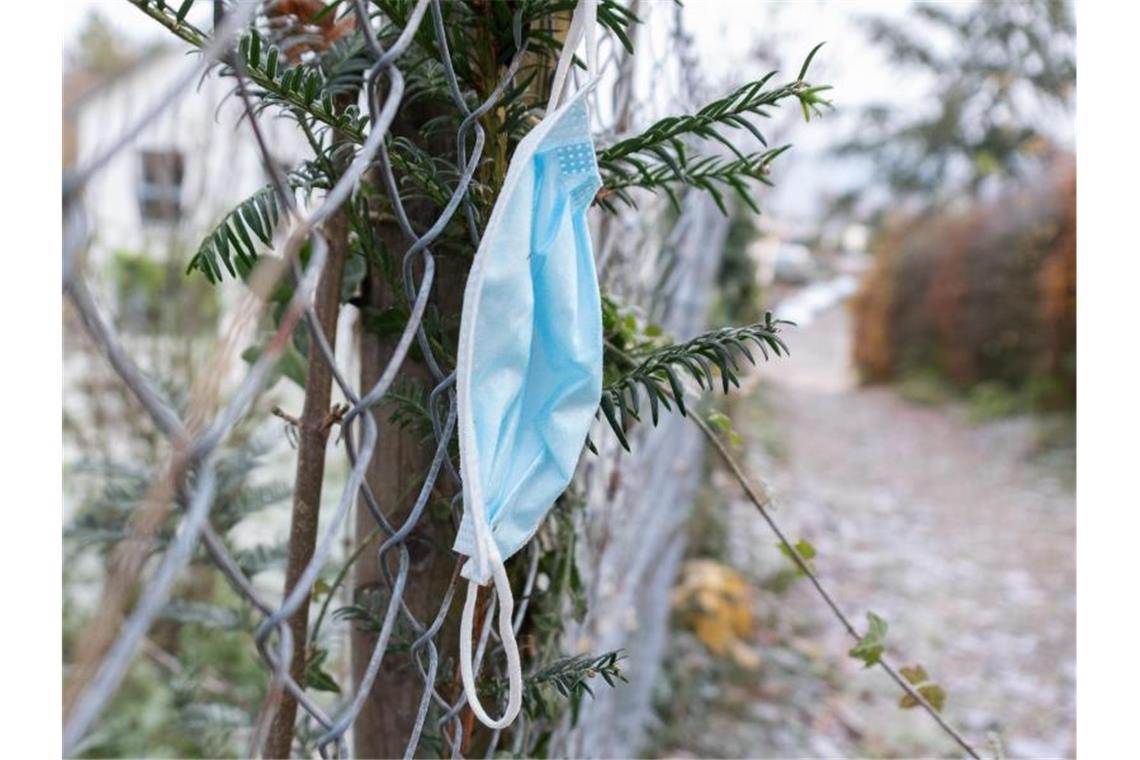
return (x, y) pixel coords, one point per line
(982, 295)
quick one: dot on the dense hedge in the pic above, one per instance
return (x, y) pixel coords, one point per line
(987, 294)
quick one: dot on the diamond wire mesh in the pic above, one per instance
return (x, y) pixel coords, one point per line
(190, 476)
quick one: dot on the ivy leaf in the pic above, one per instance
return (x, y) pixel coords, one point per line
(915, 675)
(931, 692)
(870, 647)
(806, 552)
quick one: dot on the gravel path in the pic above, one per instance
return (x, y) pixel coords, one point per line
(959, 534)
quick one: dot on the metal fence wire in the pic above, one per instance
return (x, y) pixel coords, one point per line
(194, 439)
(638, 533)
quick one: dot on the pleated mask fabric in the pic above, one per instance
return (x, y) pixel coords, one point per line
(533, 378)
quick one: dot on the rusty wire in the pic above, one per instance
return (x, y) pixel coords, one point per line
(197, 444)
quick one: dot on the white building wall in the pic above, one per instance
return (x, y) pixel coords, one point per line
(222, 167)
(221, 159)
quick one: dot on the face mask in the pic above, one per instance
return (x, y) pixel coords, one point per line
(529, 369)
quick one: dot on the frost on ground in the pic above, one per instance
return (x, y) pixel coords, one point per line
(961, 535)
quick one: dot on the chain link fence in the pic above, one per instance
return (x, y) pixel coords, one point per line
(630, 574)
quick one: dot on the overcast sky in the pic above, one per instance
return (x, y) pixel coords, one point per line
(736, 41)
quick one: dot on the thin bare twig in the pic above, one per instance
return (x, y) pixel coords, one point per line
(279, 412)
(763, 501)
(313, 435)
(760, 498)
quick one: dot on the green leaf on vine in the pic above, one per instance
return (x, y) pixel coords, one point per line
(914, 675)
(870, 647)
(806, 552)
(931, 692)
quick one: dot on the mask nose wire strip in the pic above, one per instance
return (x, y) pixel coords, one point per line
(487, 552)
(510, 648)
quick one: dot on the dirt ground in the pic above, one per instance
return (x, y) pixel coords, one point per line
(960, 534)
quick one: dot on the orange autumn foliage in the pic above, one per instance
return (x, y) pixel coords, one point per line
(985, 294)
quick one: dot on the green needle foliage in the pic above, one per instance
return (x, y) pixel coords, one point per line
(231, 245)
(310, 91)
(104, 518)
(657, 159)
(306, 87)
(703, 173)
(569, 677)
(311, 87)
(717, 352)
(196, 686)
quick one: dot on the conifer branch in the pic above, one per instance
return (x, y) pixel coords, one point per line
(658, 159)
(660, 371)
(569, 677)
(701, 172)
(231, 245)
(303, 86)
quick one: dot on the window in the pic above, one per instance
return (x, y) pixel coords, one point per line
(160, 186)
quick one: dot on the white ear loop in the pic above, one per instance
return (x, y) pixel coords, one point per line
(510, 647)
(583, 23)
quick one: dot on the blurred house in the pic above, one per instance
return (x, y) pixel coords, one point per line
(145, 213)
(162, 193)
(781, 256)
(792, 263)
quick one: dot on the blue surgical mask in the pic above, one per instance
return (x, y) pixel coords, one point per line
(529, 369)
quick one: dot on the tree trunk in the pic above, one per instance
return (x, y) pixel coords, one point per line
(312, 435)
(402, 459)
(396, 474)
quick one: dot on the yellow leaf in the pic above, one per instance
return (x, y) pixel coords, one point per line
(714, 634)
(709, 601)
